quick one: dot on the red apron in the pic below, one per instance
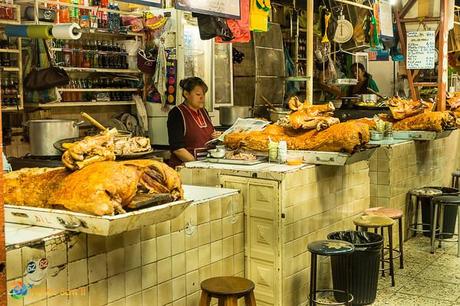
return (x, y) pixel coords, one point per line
(198, 129)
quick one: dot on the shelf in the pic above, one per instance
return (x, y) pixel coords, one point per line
(9, 51)
(8, 21)
(9, 69)
(10, 109)
(97, 89)
(78, 69)
(77, 104)
(298, 79)
(426, 84)
(87, 51)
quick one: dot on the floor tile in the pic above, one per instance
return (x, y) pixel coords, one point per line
(402, 299)
(432, 289)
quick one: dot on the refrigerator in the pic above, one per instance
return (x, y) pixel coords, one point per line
(191, 56)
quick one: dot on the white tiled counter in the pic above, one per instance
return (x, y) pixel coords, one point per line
(286, 207)
(161, 264)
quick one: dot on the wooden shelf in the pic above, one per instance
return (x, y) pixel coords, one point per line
(9, 51)
(9, 69)
(97, 89)
(426, 84)
(108, 70)
(11, 109)
(77, 104)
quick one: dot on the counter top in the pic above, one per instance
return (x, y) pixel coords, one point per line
(263, 167)
(20, 234)
(200, 194)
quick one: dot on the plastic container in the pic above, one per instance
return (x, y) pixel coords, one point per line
(282, 152)
(450, 213)
(365, 261)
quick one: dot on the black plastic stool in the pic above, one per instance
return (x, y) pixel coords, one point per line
(439, 205)
(420, 194)
(329, 248)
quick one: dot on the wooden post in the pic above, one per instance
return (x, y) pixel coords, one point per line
(3, 294)
(309, 72)
(442, 57)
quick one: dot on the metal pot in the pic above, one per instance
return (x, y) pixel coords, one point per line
(44, 133)
(278, 113)
(229, 114)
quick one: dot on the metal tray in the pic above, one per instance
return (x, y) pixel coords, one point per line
(98, 225)
(259, 160)
(331, 158)
(421, 135)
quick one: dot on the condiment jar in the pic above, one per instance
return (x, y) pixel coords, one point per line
(282, 151)
(272, 151)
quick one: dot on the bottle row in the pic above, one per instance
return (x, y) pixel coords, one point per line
(90, 83)
(90, 54)
(9, 91)
(96, 96)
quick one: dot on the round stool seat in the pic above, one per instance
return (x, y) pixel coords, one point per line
(393, 213)
(373, 221)
(425, 192)
(447, 200)
(331, 247)
(456, 173)
(227, 285)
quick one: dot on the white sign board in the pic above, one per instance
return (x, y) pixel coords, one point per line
(421, 51)
(220, 8)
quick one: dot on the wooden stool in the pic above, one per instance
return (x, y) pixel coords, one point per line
(381, 222)
(227, 289)
(395, 214)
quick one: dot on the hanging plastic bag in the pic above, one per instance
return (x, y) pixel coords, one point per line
(239, 28)
(211, 27)
(259, 11)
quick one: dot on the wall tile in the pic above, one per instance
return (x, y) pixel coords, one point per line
(133, 281)
(178, 287)
(134, 300)
(97, 267)
(29, 254)
(148, 232)
(165, 293)
(14, 267)
(114, 242)
(203, 214)
(149, 251)
(204, 255)
(149, 275)
(216, 230)
(227, 247)
(116, 287)
(10, 285)
(57, 283)
(163, 246)
(181, 302)
(96, 245)
(78, 273)
(132, 256)
(132, 237)
(215, 210)
(227, 227)
(56, 253)
(40, 303)
(98, 293)
(216, 251)
(177, 242)
(77, 248)
(193, 299)
(120, 302)
(191, 260)
(191, 240)
(59, 300)
(163, 228)
(205, 272)
(227, 266)
(192, 282)
(204, 234)
(164, 270)
(79, 296)
(150, 296)
(178, 265)
(36, 294)
(116, 261)
(178, 223)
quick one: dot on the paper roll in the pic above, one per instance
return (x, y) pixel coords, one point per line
(39, 31)
(16, 30)
(67, 31)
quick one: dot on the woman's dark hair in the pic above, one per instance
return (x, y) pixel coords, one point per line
(190, 83)
(361, 66)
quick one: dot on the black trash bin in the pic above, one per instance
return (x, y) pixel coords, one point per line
(365, 266)
(450, 213)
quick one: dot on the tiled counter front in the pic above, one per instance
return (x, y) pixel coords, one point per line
(284, 211)
(161, 264)
(396, 169)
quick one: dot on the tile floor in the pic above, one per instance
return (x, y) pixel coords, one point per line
(426, 279)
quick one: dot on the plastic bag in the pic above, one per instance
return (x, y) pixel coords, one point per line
(211, 27)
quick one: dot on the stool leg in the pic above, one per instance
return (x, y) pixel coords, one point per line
(357, 228)
(441, 224)
(250, 299)
(231, 301)
(313, 279)
(205, 299)
(433, 233)
(383, 251)
(392, 269)
(417, 203)
(401, 241)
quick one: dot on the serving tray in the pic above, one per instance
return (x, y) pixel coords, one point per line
(331, 158)
(421, 135)
(98, 225)
(258, 160)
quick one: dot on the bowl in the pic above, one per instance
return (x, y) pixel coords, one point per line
(217, 153)
(376, 135)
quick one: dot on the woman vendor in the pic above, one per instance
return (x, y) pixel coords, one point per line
(365, 85)
(189, 124)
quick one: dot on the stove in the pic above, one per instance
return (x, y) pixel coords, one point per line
(30, 161)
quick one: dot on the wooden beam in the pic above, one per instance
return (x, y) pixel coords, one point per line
(442, 57)
(309, 72)
(402, 40)
(355, 4)
(417, 20)
(406, 8)
(3, 291)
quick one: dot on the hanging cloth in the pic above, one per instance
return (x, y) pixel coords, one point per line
(239, 28)
(159, 78)
(259, 11)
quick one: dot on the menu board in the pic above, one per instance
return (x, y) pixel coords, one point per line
(219, 8)
(421, 51)
(154, 3)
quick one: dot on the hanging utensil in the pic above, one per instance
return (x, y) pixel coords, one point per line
(327, 16)
(93, 121)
